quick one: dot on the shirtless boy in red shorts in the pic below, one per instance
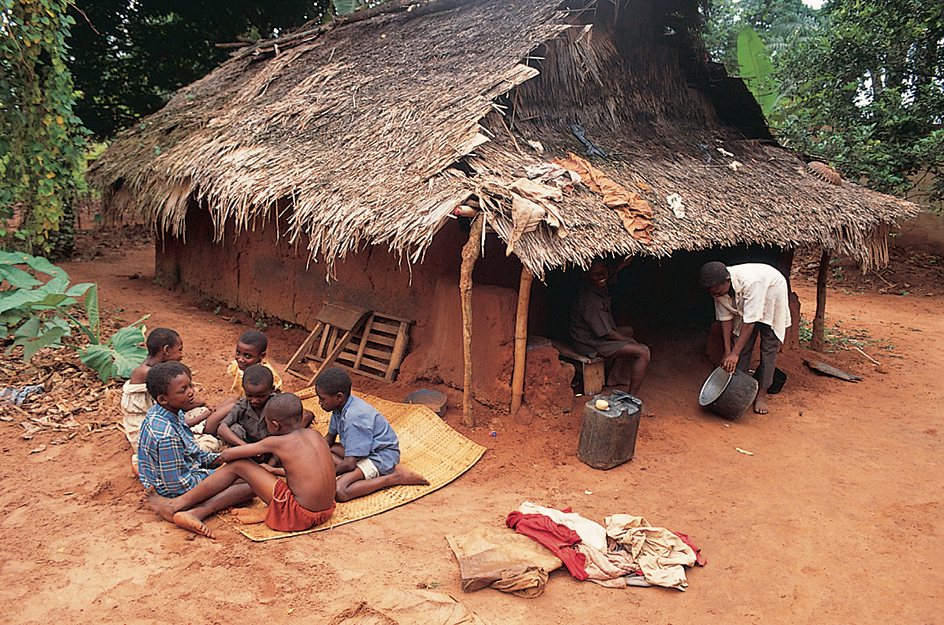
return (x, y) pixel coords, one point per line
(305, 501)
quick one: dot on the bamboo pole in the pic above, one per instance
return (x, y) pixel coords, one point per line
(521, 339)
(470, 254)
(818, 339)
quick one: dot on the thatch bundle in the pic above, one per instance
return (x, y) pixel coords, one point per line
(372, 130)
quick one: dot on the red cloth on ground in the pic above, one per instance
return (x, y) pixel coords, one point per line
(700, 560)
(556, 537)
(285, 515)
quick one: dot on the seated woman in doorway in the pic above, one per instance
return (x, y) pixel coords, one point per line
(593, 331)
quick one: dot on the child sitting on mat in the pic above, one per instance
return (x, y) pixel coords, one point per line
(304, 500)
(367, 456)
(250, 350)
(244, 424)
(163, 345)
(169, 461)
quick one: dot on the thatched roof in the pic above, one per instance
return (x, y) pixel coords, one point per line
(372, 130)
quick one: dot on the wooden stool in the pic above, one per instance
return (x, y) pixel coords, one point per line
(593, 370)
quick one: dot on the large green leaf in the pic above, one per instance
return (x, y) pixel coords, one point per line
(756, 68)
(48, 338)
(91, 311)
(11, 318)
(34, 335)
(29, 299)
(100, 358)
(129, 352)
(119, 357)
(342, 7)
(29, 329)
(37, 263)
(78, 289)
(18, 278)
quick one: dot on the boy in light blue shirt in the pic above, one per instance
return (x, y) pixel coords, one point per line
(365, 449)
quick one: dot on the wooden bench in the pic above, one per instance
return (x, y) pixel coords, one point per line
(593, 370)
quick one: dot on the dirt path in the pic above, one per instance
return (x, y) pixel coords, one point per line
(835, 518)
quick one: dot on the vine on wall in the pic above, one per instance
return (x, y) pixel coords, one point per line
(41, 139)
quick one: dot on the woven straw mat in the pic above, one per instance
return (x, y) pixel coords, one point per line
(427, 446)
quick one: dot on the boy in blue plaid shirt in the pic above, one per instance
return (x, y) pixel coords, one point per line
(169, 460)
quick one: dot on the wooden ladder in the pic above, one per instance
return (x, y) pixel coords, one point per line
(368, 343)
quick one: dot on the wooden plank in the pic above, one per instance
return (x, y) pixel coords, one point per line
(339, 347)
(340, 315)
(321, 346)
(566, 351)
(368, 374)
(294, 366)
(594, 377)
(380, 339)
(381, 325)
(363, 345)
(378, 354)
(398, 351)
(374, 364)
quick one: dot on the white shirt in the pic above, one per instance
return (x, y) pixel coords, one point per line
(760, 295)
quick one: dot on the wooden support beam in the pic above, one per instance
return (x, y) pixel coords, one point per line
(470, 254)
(818, 339)
(521, 339)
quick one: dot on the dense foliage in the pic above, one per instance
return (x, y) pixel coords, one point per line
(129, 56)
(40, 135)
(859, 85)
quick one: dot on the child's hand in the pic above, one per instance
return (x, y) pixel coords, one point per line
(274, 470)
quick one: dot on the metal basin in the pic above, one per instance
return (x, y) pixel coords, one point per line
(728, 395)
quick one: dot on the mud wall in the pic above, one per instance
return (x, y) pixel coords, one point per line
(261, 274)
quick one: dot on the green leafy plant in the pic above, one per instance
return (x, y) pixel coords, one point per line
(39, 314)
(41, 139)
(839, 338)
(756, 68)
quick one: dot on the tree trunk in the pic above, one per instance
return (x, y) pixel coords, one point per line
(521, 339)
(818, 340)
(470, 254)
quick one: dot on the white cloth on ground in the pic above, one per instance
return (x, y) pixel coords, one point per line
(590, 532)
(659, 553)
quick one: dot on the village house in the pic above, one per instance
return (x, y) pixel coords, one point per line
(352, 162)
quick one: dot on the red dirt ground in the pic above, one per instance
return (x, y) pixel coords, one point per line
(835, 518)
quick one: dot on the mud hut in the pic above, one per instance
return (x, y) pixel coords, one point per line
(344, 163)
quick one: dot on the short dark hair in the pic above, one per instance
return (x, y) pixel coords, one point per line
(160, 375)
(285, 408)
(159, 338)
(334, 380)
(712, 274)
(257, 375)
(254, 338)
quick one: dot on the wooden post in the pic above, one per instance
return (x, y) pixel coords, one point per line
(470, 254)
(521, 339)
(818, 340)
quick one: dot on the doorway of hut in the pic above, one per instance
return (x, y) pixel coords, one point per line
(660, 299)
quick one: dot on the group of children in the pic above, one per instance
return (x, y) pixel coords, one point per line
(263, 436)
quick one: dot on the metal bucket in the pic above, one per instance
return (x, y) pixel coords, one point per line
(728, 395)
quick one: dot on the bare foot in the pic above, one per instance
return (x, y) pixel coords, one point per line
(760, 406)
(248, 516)
(402, 475)
(191, 523)
(161, 505)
